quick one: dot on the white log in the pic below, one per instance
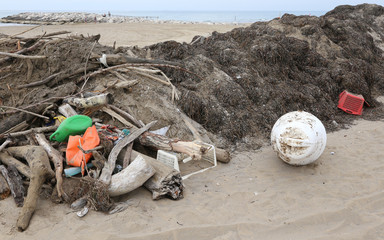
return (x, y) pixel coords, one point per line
(130, 178)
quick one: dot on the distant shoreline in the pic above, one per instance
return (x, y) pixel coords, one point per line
(59, 18)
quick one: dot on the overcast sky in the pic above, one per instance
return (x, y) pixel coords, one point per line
(178, 5)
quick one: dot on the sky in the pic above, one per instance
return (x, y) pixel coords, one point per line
(178, 5)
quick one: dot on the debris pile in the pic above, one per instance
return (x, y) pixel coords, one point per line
(254, 75)
(88, 121)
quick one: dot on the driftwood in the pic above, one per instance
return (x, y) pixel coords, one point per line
(127, 156)
(5, 191)
(118, 117)
(57, 160)
(21, 167)
(109, 166)
(32, 130)
(8, 141)
(117, 59)
(192, 149)
(130, 178)
(41, 82)
(40, 169)
(22, 110)
(126, 115)
(165, 182)
(15, 55)
(15, 183)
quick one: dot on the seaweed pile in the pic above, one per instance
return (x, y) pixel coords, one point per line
(254, 75)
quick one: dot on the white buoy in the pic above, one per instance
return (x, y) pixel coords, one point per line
(299, 138)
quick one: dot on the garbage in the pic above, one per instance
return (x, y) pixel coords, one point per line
(299, 138)
(351, 103)
(75, 155)
(72, 171)
(71, 126)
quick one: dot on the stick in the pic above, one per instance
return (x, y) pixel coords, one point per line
(15, 184)
(125, 114)
(21, 33)
(130, 178)
(118, 117)
(15, 55)
(38, 83)
(154, 78)
(57, 159)
(133, 65)
(110, 165)
(34, 130)
(22, 110)
(8, 141)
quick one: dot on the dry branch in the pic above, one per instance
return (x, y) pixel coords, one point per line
(32, 130)
(118, 117)
(15, 55)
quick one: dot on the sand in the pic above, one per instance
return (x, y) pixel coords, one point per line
(255, 196)
(128, 34)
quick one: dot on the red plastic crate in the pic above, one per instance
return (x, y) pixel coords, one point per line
(351, 103)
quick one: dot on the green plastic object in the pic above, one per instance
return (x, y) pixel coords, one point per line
(74, 125)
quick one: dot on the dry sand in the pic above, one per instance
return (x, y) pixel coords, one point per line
(128, 34)
(255, 196)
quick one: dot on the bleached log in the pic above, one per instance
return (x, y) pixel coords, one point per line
(130, 178)
(40, 169)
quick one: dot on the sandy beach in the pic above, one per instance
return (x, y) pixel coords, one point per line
(255, 196)
(128, 34)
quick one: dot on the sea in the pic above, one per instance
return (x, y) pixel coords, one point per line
(191, 16)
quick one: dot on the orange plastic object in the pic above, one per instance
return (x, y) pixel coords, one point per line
(75, 157)
(351, 103)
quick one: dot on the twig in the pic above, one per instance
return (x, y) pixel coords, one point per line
(34, 130)
(10, 37)
(118, 117)
(154, 78)
(8, 141)
(38, 83)
(135, 65)
(86, 63)
(22, 110)
(90, 150)
(15, 55)
(125, 114)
